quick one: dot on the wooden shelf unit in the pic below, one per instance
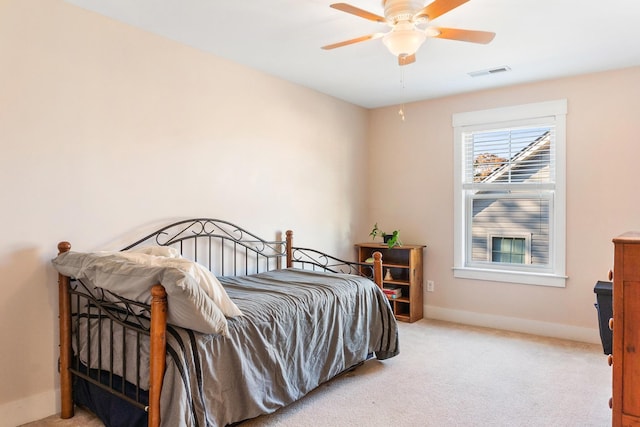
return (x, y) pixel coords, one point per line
(404, 264)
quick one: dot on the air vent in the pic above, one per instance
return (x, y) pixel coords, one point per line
(496, 70)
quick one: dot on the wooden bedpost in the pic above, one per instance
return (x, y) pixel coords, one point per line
(289, 248)
(157, 351)
(377, 268)
(64, 314)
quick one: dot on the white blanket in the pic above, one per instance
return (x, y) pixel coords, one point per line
(198, 300)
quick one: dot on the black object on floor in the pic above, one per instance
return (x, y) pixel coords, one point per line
(604, 306)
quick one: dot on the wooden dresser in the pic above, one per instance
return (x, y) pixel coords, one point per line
(626, 331)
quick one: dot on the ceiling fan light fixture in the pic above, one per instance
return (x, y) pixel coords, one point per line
(403, 41)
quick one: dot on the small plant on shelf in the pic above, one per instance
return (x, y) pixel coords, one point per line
(391, 239)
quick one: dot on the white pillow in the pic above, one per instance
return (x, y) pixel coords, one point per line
(203, 277)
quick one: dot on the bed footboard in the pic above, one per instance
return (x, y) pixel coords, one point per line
(122, 323)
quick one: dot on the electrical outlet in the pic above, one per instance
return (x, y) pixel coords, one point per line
(430, 285)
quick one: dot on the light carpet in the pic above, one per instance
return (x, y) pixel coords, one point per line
(457, 376)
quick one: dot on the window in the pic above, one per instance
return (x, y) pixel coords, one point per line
(511, 250)
(510, 194)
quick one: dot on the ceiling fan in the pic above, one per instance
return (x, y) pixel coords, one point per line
(409, 21)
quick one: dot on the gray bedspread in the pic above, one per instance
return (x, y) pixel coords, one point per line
(299, 329)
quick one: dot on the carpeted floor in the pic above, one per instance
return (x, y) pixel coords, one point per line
(454, 375)
(82, 418)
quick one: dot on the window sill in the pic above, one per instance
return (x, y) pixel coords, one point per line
(524, 278)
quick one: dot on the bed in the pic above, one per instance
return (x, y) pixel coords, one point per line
(202, 323)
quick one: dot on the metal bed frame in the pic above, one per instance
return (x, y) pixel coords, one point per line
(224, 248)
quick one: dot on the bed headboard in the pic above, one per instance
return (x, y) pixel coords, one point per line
(224, 248)
(229, 250)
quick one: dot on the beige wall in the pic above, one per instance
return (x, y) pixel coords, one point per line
(416, 196)
(104, 129)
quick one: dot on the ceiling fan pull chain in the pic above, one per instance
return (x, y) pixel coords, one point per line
(401, 111)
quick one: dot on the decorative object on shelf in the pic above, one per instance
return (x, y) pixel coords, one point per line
(388, 276)
(391, 239)
(392, 293)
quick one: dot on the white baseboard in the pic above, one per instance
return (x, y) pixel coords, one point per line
(29, 409)
(536, 327)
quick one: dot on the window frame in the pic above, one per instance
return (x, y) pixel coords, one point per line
(550, 112)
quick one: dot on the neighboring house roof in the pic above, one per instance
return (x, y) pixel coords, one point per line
(519, 161)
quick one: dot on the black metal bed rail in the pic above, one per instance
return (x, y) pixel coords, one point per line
(103, 325)
(311, 259)
(224, 248)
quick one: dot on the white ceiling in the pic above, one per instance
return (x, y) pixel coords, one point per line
(537, 39)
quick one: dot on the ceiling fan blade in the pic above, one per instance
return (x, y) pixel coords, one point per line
(472, 36)
(344, 7)
(406, 59)
(352, 41)
(437, 8)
